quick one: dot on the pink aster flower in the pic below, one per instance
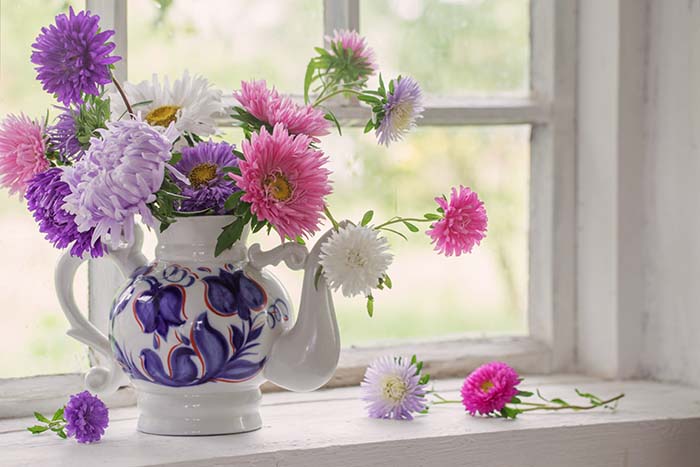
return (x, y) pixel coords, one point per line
(271, 108)
(362, 59)
(489, 388)
(463, 223)
(22, 152)
(285, 181)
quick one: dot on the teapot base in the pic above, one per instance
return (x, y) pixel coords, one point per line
(197, 411)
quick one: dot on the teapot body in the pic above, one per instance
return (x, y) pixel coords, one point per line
(198, 330)
(196, 334)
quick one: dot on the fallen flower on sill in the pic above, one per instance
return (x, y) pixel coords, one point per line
(84, 418)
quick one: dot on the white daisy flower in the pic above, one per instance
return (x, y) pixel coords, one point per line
(190, 102)
(354, 258)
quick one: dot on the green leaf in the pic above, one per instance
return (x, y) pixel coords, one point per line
(177, 157)
(424, 379)
(371, 100)
(41, 418)
(432, 217)
(62, 434)
(525, 393)
(367, 218)
(36, 429)
(229, 235)
(58, 415)
(300, 240)
(370, 126)
(395, 232)
(330, 116)
(414, 359)
(370, 305)
(308, 78)
(559, 401)
(515, 400)
(411, 227)
(232, 200)
(387, 281)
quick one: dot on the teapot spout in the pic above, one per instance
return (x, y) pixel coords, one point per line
(305, 357)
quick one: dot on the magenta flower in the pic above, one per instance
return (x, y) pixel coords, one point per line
(355, 59)
(73, 56)
(46, 194)
(268, 106)
(403, 105)
(22, 152)
(392, 389)
(489, 388)
(284, 180)
(203, 166)
(86, 417)
(117, 178)
(463, 223)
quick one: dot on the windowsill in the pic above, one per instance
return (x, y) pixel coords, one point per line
(656, 424)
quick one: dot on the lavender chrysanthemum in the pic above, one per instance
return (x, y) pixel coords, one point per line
(86, 417)
(45, 196)
(403, 106)
(117, 179)
(208, 187)
(63, 136)
(392, 389)
(73, 56)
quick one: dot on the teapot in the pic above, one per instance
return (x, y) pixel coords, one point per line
(197, 335)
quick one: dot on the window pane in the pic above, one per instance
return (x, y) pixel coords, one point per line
(225, 40)
(433, 296)
(35, 341)
(452, 47)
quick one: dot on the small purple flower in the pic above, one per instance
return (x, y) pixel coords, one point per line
(63, 135)
(73, 56)
(392, 389)
(402, 107)
(45, 196)
(202, 165)
(86, 417)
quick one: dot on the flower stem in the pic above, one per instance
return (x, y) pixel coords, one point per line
(122, 94)
(334, 93)
(569, 406)
(402, 219)
(330, 217)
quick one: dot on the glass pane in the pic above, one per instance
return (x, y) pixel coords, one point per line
(452, 47)
(225, 40)
(36, 341)
(483, 293)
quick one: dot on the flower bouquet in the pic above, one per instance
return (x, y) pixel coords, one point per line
(205, 313)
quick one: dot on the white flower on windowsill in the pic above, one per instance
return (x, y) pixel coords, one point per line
(354, 259)
(191, 102)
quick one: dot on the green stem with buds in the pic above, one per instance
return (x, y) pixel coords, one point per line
(398, 220)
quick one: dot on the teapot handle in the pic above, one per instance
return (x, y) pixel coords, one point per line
(98, 379)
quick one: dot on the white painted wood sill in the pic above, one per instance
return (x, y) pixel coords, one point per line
(655, 425)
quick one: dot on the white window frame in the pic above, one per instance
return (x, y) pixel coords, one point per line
(550, 110)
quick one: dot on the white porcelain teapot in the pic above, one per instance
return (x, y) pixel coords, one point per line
(197, 335)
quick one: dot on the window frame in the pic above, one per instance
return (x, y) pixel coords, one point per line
(550, 109)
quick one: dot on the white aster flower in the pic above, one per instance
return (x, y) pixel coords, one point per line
(354, 258)
(190, 102)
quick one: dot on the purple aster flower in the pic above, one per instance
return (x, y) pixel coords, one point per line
(63, 135)
(73, 56)
(86, 417)
(117, 178)
(403, 105)
(392, 389)
(45, 195)
(202, 165)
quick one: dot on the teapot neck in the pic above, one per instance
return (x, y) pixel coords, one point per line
(193, 239)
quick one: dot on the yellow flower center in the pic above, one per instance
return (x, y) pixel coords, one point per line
(487, 385)
(278, 187)
(354, 258)
(162, 116)
(394, 388)
(401, 116)
(202, 174)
